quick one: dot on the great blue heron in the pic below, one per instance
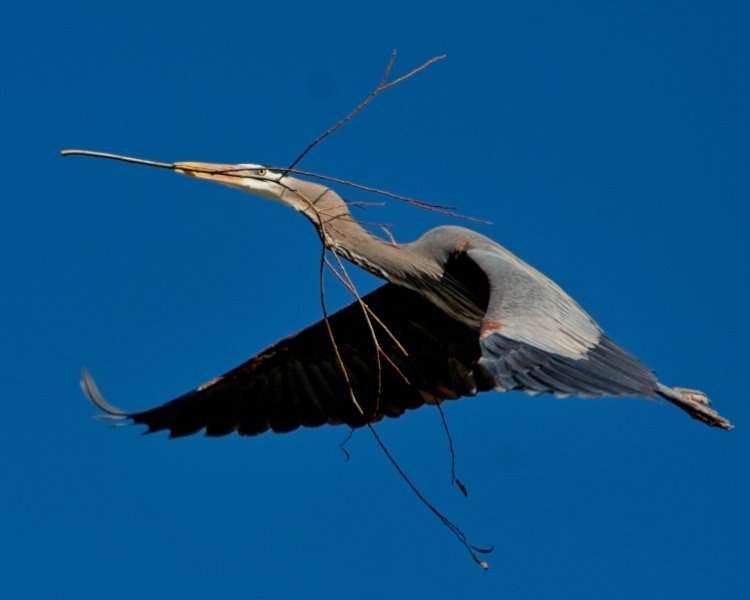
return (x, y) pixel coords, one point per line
(460, 314)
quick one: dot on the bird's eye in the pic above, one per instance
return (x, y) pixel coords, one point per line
(262, 172)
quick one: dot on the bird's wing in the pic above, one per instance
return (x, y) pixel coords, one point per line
(298, 381)
(535, 338)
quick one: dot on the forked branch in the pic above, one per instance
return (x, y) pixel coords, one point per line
(382, 86)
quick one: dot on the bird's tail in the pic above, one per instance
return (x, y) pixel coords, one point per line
(695, 403)
(91, 390)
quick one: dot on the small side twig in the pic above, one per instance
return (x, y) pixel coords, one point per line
(345, 443)
(364, 204)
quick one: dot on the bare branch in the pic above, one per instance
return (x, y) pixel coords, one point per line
(411, 73)
(448, 211)
(347, 282)
(452, 527)
(474, 551)
(239, 171)
(343, 444)
(388, 68)
(382, 86)
(454, 480)
(128, 159)
(339, 360)
(368, 314)
(367, 188)
(364, 204)
(386, 229)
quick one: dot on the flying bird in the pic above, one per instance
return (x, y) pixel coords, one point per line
(459, 315)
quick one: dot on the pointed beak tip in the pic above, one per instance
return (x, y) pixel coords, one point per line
(187, 168)
(218, 173)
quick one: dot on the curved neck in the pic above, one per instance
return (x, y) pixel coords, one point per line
(341, 233)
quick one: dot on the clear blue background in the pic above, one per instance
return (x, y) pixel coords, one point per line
(607, 142)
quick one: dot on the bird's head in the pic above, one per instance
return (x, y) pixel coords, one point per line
(317, 202)
(254, 179)
(259, 180)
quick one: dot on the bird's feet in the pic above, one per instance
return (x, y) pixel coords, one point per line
(695, 403)
(693, 396)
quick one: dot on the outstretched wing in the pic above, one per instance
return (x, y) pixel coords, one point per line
(298, 381)
(535, 338)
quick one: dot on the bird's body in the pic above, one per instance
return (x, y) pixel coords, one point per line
(460, 314)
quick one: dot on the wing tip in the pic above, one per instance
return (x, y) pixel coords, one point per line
(92, 393)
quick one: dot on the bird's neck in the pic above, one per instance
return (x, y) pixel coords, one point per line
(342, 234)
(349, 239)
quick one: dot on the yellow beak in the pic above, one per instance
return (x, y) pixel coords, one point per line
(226, 174)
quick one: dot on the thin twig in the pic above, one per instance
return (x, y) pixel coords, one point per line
(387, 72)
(346, 281)
(454, 480)
(473, 550)
(129, 159)
(386, 229)
(367, 312)
(382, 86)
(241, 172)
(345, 443)
(452, 527)
(366, 188)
(339, 360)
(376, 225)
(364, 204)
(448, 211)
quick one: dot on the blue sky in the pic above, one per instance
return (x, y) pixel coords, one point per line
(607, 142)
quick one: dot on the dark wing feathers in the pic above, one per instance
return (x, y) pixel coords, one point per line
(298, 381)
(534, 338)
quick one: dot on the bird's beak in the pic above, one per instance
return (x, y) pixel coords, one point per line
(226, 174)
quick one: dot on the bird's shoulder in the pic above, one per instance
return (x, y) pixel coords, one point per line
(524, 303)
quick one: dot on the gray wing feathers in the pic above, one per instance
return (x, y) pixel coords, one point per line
(536, 338)
(606, 369)
(530, 308)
